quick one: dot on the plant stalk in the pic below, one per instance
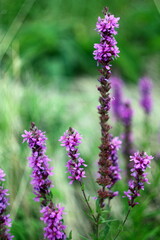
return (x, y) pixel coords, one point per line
(120, 229)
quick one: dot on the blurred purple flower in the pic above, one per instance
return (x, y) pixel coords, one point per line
(145, 86)
(71, 140)
(5, 221)
(126, 113)
(117, 84)
(114, 168)
(140, 162)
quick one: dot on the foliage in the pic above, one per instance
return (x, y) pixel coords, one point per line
(55, 39)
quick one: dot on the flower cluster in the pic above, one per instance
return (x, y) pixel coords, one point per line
(71, 140)
(114, 168)
(116, 84)
(38, 162)
(107, 49)
(145, 86)
(140, 162)
(52, 214)
(110, 174)
(126, 113)
(104, 53)
(52, 217)
(5, 220)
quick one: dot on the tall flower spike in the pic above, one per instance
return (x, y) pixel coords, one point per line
(75, 166)
(116, 84)
(114, 168)
(39, 162)
(107, 49)
(145, 86)
(5, 221)
(53, 219)
(141, 161)
(126, 113)
(104, 53)
(126, 119)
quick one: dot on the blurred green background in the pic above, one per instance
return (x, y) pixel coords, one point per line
(48, 76)
(54, 39)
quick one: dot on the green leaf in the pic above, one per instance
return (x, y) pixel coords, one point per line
(70, 236)
(98, 208)
(105, 231)
(83, 237)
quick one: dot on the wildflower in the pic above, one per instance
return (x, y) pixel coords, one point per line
(126, 113)
(116, 84)
(104, 53)
(114, 168)
(5, 221)
(126, 119)
(52, 217)
(107, 49)
(145, 86)
(106, 26)
(75, 166)
(140, 162)
(38, 162)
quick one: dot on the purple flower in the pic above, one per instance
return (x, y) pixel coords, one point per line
(145, 86)
(114, 168)
(107, 25)
(116, 84)
(126, 113)
(2, 175)
(71, 140)
(104, 53)
(38, 162)
(52, 217)
(107, 49)
(5, 221)
(140, 162)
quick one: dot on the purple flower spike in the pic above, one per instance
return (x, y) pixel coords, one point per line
(104, 53)
(107, 25)
(107, 49)
(5, 221)
(126, 113)
(114, 168)
(71, 140)
(38, 162)
(52, 217)
(140, 162)
(145, 86)
(52, 214)
(116, 84)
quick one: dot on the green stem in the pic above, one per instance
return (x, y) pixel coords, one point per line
(97, 226)
(120, 229)
(87, 202)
